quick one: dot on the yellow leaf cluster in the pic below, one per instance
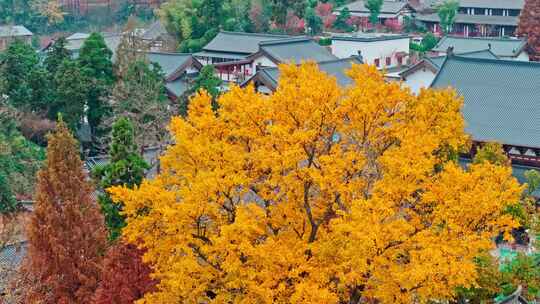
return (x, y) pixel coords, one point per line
(318, 194)
(52, 9)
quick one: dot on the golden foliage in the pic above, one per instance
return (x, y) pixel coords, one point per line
(52, 9)
(318, 194)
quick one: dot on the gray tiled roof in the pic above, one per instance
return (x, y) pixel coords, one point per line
(76, 41)
(501, 98)
(239, 42)
(496, 4)
(232, 56)
(473, 19)
(486, 54)
(169, 62)
(335, 68)
(155, 30)
(391, 7)
(436, 61)
(177, 87)
(14, 31)
(296, 50)
(11, 256)
(370, 37)
(503, 47)
(151, 156)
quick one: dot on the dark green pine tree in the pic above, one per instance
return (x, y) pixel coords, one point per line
(96, 61)
(212, 12)
(126, 167)
(313, 21)
(71, 87)
(21, 77)
(206, 80)
(56, 55)
(8, 203)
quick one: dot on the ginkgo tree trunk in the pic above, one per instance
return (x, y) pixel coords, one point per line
(318, 194)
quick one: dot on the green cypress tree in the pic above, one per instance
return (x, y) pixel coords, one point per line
(374, 7)
(71, 90)
(19, 67)
(206, 80)
(126, 167)
(447, 12)
(341, 20)
(141, 96)
(96, 62)
(7, 200)
(56, 55)
(314, 22)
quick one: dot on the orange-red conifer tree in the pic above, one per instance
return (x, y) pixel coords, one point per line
(66, 235)
(529, 25)
(125, 277)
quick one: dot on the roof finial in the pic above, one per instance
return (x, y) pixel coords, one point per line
(450, 51)
(360, 57)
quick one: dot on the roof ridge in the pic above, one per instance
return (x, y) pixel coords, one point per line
(371, 39)
(168, 53)
(496, 61)
(475, 51)
(339, 60)
(256, 34)
(285, 41)
(483, 38)
(445, 60)
(317, 63)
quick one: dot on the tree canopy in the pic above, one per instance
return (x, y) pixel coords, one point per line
(207, 81)
(447, 14)
(125, 278)
(56, 55)
(529, 26)
(95, 60)
(19, 70)
(141, 96)
(20, 160)
(374, 7)
(194, 23)
(318, 194)
(66, 237)
(126, 168)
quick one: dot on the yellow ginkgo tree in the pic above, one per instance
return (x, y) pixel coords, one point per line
(318, 194)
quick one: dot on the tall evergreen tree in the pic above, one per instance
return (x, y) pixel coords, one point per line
(529, 26)
(206, 80)
(131, 48)
(447, 12)
(126, 167)
(56, 56)
(374, 7)
(96, 61)
(125, 278)
(7, 200)
(213, 13)
(66, 238)
(141, 97)
(71, 90)
(20, 73)
(280, 9)
(314, 22)
(20, 160)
